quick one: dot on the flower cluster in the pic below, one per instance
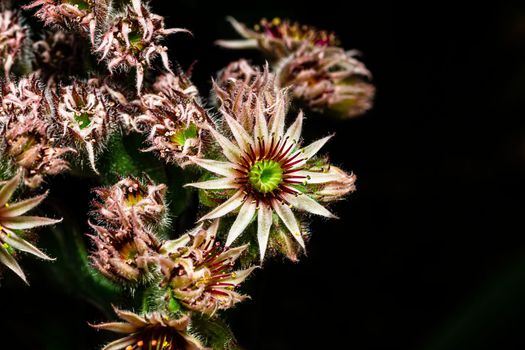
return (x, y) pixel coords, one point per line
(14, 225)
(12, 37)
(309, 62)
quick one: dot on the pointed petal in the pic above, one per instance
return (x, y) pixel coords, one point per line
(306, 203)
(217, 184)
(18, 243)
(288, 218)
(231, 204)
(315, 177)
(8, 189)
(243, 219)
(215, 166)
(264, 223)
(11, 263)
(231, 151)
(277, 122)
(260, 131)
(121, 343)
(131, 318)
(91, 156)
(294, 131)
(240, 276)
(240, 28)
(232, 253)
(238, 44)
(310, 150)
(241, 135)
(20, 208)
(26, 222)
(117, 327)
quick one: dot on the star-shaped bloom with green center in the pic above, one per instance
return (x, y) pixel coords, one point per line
(266, 170)
(13, 222)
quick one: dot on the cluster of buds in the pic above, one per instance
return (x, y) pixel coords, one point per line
(328, 78)
(125, 246)
(154, 330)
(28, 136)
(173, 119)
(13, 226)
(243, 90)
(58, 57)
(309, 62)
(81, 14)
(198, 272)
(86, 116)
(12, 37)
(133, 40)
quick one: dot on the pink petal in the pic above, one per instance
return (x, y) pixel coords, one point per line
(232, 152)
(218, 184)
(217, 167)
(241, 135)
(8, 189)
(11, 263)
(288, 218)
(231, 204)
(18, 243)
(26, 222)
(264, 223)
(294, 131)
(244, 217)
(21, 207)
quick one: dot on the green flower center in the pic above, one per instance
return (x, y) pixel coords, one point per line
(83, 120)
(182, 135)
(265, 175)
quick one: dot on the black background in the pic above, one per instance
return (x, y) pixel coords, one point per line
(429, 253)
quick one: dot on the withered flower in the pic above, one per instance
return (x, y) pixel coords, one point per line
(133, 40)
(328, 78)
(174, 121)
(82, 14)
(13, 224)
(131, 198)
(339, 183)
(198, 271)
(124, 253)
(12, 37)
(278, 38)
(86, 117)
(151, 331)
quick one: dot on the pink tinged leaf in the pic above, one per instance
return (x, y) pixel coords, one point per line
(312, 149)
(244, 217)
(231, 204)
(8, 189)
(27, 222)
(217, 167)
(294, 131)
(238, 44)
(8, 260)
(231, 151)
(289, 220)
(21, 207)
(218, 184)
(239, 133)
(264, 223)
(306, 203)
(18, 243)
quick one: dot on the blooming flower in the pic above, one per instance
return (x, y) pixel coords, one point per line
(85, 117)
(13, 224)
(124, 253)
(82, 14)
(266, 172)
(198, 272)
(131, 198)
(328, 78)
(173, 120)
(151, 331)
(12, 37)
(133, 40)
(278, 38)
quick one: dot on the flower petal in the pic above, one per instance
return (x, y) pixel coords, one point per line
(18, 243)
(231, 204)
(277, 122)
(8, 260)
(310, 150)
(315, 177)
(244, 217)
(294, 131)
(306, 203)
(241, 135)
(260, 130)
(240, 28)
(215, 166)
(231, 151)
(240, 276)
(264, 223)
(238, 44)
(8, 189)
(117, 327)
(121, 343)
(26, 222)
(217, 184)
(288, 218)
(21, 207)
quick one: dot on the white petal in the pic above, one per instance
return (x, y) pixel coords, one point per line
(22, 207)
(238, 44)
(294, 131)
(243, 219)
(241, 135)
(217, 184)
(27, 222)
(277, 122)
(310, 150)
(306, 203)
(18, 243)
(240, 28)
(264, 223)
(231, 204)
(288, 218)
(260, 130)
(313, 177)
(11, 263)
(231, 151)
(217, 167)
(8, 189)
